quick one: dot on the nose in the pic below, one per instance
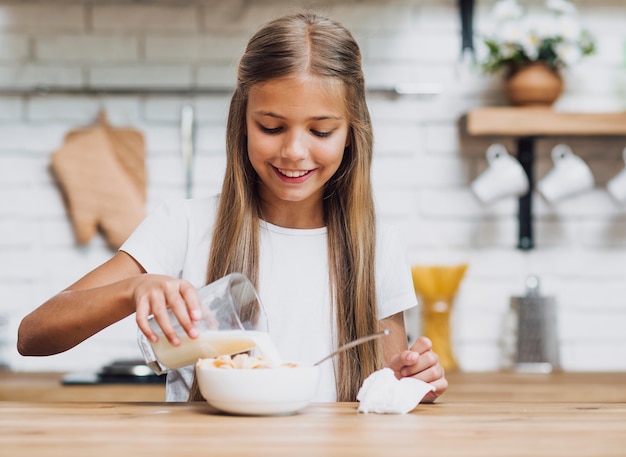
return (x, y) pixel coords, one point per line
(294, 147)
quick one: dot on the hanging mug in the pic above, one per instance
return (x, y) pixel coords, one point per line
(504, 177)
(569, 176)
(617, 185)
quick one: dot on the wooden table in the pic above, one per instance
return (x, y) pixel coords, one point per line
(336, 429)
(483, 414)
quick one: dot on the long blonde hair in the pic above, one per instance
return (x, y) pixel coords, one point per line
(307, 43)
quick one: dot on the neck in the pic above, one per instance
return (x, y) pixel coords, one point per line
(299, 215)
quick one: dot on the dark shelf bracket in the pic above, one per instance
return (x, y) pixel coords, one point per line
(526, 156)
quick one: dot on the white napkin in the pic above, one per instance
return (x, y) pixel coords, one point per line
(383, 393)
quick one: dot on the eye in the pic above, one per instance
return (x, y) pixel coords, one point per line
(321, 134)
(270, 131)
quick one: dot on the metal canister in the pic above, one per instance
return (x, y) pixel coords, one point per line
(536, 343)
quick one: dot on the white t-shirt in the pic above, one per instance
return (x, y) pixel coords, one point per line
(174, 240)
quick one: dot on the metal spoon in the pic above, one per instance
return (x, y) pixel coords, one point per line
(356, 342)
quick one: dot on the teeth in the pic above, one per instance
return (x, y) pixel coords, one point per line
(292, 174)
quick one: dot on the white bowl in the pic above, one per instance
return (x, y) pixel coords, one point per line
(260, 391)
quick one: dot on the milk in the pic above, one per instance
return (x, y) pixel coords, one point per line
(214, 344)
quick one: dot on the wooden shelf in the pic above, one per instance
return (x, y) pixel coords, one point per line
(526, 124)
(519, 122)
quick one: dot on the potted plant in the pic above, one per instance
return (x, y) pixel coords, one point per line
(532, 48)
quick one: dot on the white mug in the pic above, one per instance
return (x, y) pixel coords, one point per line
(617, 185)
(505, 176)
(570, 175)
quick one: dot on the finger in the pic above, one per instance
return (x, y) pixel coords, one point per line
(399, 361)
(440, 385)
(424, 362)
(422, 344)
(162, 317)
(141, 317)
(190, 295)
(177, 304)
(429, 375)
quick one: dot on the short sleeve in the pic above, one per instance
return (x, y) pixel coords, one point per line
(395, 290)
(159, 243)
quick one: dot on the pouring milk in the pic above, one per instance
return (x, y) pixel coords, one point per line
(214, 344)
(233, 321)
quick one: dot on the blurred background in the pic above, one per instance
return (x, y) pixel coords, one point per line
(157, 67)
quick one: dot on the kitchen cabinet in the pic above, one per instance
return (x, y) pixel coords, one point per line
(48, 386)
(526, 125)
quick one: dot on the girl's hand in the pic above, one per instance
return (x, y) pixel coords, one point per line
(420, 362)
(155, 294)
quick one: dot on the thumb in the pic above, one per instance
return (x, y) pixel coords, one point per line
(399, 361)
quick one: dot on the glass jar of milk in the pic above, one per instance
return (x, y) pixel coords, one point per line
(233, 321)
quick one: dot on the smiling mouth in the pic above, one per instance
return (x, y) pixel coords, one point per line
(293, 173)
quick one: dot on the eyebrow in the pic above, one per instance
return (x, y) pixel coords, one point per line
(314, 118)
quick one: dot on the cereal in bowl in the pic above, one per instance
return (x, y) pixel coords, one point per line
(238, 361)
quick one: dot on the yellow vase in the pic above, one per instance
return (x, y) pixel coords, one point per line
(436, 287)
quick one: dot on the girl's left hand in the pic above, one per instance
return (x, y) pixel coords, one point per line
(420, 362)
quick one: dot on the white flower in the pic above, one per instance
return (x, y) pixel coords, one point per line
(516, 37)
(568, 28)
(561, 6)
(568, 53)
(507, 50)
(530, 43)
(545, 27)
(510, 32)
(506, 10)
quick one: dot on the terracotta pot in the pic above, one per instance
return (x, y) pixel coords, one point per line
(534, 84)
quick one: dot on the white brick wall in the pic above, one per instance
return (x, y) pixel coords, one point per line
(422, 168)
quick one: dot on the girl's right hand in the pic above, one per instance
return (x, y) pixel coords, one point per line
(155, 294)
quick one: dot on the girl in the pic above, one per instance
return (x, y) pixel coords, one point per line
(295, 215)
